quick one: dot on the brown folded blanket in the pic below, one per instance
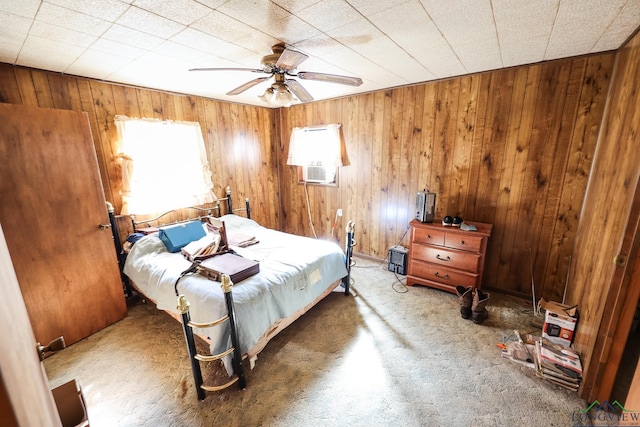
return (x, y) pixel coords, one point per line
(240, 240)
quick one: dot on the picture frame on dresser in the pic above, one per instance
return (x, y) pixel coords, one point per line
(444, 257)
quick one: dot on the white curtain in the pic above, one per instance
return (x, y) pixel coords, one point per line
(315, 145)
(164, 165)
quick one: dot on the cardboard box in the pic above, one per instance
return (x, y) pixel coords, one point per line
(560, 322)
(71, 406)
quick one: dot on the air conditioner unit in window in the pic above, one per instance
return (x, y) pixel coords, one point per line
(316, 174)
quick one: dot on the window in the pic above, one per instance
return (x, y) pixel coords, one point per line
(317, 151)
(164, 165)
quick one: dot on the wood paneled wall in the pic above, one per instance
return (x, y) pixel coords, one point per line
(511, 147)
(239, 138)
(604, 282)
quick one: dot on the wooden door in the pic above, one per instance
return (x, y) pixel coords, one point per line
(25, 395)
(51, 205)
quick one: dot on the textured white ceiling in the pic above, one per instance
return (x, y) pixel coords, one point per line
(153, 43)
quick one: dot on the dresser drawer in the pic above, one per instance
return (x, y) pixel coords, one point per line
(458, 259)
(428, 236)
(464, 242)
(441, 274)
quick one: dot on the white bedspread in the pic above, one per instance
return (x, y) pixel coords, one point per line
(294, 271)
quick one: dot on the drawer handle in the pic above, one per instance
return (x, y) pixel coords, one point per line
(428, 236)
(448, 258)
(446, 276)
(462, 242)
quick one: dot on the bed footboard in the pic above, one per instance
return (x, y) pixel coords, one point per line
(234, 350)
(196, 358)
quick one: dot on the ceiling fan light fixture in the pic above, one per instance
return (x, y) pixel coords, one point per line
(279, 65)
(283, 97)
(278, 96)
(267, 95)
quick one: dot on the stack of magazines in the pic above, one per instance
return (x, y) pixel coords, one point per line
(521, 350)
(558, 364)
(555, 363)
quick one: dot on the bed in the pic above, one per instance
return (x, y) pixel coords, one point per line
(295, 273)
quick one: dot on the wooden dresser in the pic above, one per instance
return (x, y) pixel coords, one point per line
(445, 257)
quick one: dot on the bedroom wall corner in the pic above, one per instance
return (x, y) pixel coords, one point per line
(510, 147)
(607, 236)
(240, 139)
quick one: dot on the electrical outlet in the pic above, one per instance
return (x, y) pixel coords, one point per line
(339, 213)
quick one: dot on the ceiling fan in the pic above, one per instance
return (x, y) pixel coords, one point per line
(282, 63)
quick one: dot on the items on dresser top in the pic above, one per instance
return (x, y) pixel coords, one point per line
(444, 257)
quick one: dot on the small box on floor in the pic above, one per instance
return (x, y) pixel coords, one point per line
(559, 322)
(398, 259)
(71, 405)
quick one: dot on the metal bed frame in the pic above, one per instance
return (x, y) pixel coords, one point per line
(203, 212)
(227, 287)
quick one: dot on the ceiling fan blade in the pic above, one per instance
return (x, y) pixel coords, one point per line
(290, 59)
(331, 78)
(247, 85)
(299, 91)
(253, 70)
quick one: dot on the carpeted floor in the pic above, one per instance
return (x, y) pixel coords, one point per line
(384, 357)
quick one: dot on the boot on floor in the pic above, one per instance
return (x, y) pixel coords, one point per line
(465, 297)
(478, 308)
